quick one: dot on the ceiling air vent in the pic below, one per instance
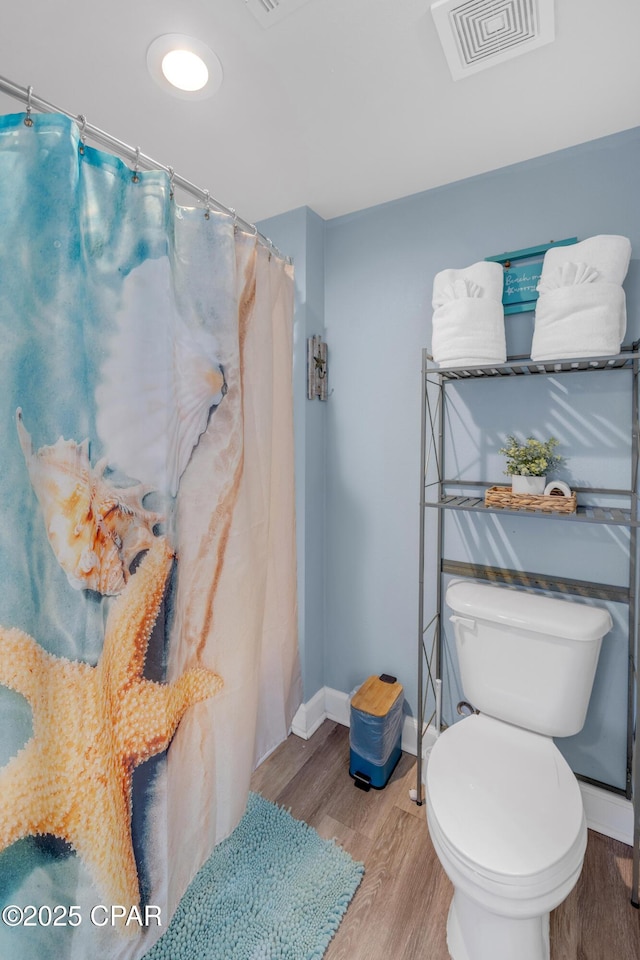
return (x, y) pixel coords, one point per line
(477, 34)
(269, 12)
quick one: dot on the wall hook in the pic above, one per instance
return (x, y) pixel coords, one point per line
(317, 372)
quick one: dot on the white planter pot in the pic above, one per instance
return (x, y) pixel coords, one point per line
(531, 485)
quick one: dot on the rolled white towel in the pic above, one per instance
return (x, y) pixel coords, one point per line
(557, 488)
(608, 254)
(586, 320)
(581, 308)
(468, 318)
(486, 277)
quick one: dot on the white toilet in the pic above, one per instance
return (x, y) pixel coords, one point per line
(504, 809)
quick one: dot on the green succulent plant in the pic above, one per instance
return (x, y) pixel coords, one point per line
(531, 457)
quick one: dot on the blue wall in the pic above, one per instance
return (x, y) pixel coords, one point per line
(300, 234)
(379, 266)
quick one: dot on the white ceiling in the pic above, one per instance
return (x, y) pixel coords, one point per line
(341, 105)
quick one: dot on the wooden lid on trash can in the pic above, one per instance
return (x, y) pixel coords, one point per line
(376, 696)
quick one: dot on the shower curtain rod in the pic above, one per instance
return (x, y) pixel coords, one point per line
(134, 155)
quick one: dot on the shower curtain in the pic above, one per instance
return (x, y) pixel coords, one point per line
(148, 652)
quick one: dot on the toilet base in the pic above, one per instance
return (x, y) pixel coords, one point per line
(474, 933)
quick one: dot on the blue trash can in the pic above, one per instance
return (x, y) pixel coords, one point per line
(375, 732)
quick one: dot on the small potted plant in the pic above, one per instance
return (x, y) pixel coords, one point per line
(528, 463)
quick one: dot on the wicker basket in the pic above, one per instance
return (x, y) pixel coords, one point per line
(504, 498)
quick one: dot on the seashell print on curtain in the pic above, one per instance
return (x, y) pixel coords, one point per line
(147, 492)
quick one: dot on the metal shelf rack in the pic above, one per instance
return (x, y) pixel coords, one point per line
(443, 495)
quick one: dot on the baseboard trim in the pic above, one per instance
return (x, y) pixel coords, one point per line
(309, 716)
(330, 704)
(337, 706)
(606, 813)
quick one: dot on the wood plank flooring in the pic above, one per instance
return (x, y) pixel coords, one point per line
(399, 911)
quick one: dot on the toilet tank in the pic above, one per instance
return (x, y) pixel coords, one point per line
(524, 658)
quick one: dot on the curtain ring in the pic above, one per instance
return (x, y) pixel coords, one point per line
(207, 206)
(235, 219)
(83, 126)
(28, 120)
(171, 182)
(135, 178)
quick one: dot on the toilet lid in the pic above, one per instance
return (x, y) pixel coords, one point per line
(504, 798)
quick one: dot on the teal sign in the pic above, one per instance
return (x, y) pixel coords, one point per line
(520, 283)
(522, 269)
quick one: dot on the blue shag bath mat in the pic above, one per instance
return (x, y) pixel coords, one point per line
(273, 890)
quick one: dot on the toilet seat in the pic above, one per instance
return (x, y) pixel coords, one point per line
(505, 807)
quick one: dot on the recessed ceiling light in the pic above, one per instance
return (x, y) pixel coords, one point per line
(185, 70)
(184, 67)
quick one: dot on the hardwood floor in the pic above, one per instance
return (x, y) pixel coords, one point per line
(399, 911)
